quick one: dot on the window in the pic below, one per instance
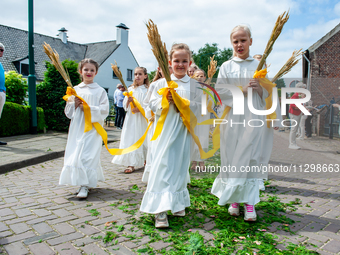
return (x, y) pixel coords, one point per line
(24, 70)
(129, 75)
(114, 75)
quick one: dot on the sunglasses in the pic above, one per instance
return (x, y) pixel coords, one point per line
(2, 50)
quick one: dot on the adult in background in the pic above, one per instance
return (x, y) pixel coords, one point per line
(295, 116)
(119, 98)
(115, 102)
(2, 85)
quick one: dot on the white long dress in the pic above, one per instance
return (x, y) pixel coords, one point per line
(267, 142)
(150, 143)
(133, 128)
(202, 131)
(82, 155)
(169, 172)
(240, 144)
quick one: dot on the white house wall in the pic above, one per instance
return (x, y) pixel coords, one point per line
(125, 60)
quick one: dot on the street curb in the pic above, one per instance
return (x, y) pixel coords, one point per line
(33, 161)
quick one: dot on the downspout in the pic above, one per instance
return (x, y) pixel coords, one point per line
(308, 73)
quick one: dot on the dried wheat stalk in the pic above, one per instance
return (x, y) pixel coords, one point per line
(158, 48)
(211, 69)
(281, 20)
(291, 62)
(118, 73)
(54, 57)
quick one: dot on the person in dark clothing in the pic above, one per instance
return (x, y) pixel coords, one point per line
(120, 109)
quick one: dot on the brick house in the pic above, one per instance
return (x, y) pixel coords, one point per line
(323, 69)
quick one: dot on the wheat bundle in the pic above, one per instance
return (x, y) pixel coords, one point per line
(118, 73)
(291, 62)
(211, 69)
(158, 48)
(54, 57)
(281, 20)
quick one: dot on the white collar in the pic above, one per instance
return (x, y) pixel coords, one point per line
(236, 59)
(91, 85)
(186, 78)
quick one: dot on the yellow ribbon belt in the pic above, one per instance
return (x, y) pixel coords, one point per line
(135, 103)
(99, 128)
(87, 111)
(189, 119)
(265, 83)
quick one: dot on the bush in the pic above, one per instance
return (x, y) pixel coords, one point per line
(50, 94)
(16, 119)
(16, 87)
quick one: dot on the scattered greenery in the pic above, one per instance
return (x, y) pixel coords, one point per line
(120, 228)
(109, 237)
(94, 212)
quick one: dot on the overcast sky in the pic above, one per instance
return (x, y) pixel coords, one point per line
(193, 22)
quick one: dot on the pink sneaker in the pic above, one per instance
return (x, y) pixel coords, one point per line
(249, 213)
(234, 209)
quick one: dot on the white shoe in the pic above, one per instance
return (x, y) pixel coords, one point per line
(161, 220)
(249, 213)
(180, 213)
(83, 192)
(234, 209)
(294, 147)
(300, 138)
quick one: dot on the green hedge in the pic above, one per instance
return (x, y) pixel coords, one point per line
(16, 118)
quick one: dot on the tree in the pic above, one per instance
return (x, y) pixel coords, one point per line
(50, 94)
(151, 75)
(16, 87)
(280, 83)
(202, 57)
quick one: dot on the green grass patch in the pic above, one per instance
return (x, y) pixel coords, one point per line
(231, 234)
(94, 212)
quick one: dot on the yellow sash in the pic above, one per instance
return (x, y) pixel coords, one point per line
(99, 128)
(87, 111)
(135, 103)
(189, 119)
(265, 83)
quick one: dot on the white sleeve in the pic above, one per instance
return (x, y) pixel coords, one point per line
(99, 113)
(155, 103)
(224, 93)
(146, 101)
(70, 108)
(125, 101)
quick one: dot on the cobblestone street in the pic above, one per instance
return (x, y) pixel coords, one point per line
(40, 217)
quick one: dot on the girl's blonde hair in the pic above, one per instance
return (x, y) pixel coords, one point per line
(146, 80)
(85, 61)
(237, 28)
(200, 70)
(257, 55)
(157, 76)
(180, 46)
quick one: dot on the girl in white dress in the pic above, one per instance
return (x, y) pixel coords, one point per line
(202, 131)
(150, 115)
(240, 143)
(167, 183)
(82, 155)
(135, 124)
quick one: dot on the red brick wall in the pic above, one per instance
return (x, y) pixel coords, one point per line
(325, 73)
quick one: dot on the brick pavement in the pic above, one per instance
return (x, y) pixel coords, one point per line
(25, 150)
(40, 217)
